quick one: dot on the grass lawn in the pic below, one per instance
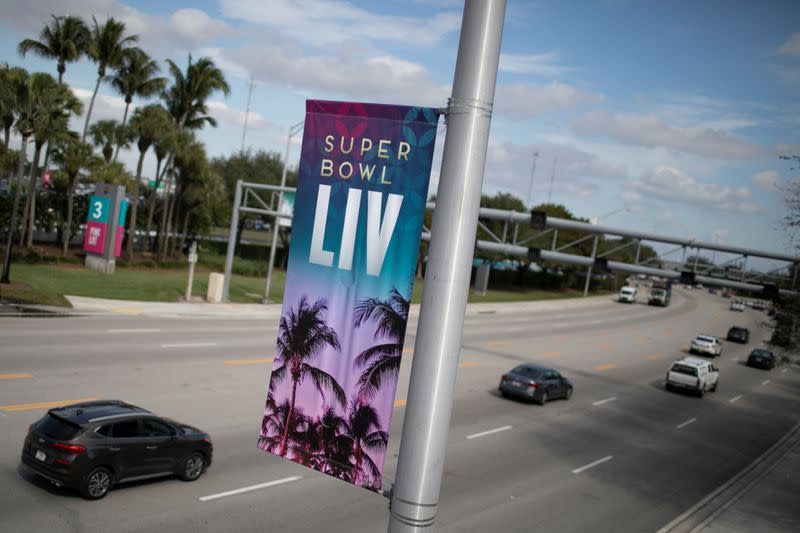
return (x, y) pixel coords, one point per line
(47, 284)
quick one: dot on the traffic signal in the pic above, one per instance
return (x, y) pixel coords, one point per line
(538, 220)
(687, 278)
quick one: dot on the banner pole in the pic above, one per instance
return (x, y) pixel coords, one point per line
(415, 495)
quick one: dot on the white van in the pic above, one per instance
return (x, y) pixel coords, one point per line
(693, 374)
(627, 295)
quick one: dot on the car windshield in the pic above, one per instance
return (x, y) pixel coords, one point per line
(57, 428)
(627, 290)
(684, 369)
(527, 371)
(705, 339)
(761, 353)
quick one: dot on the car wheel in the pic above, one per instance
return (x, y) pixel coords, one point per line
(543, 398)
(503, 393)
(668, 387)
(95, 484)
(568, 395)
(714, 388)
(701, 391)
(193, 467)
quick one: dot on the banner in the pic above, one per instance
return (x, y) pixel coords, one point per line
(361, 192)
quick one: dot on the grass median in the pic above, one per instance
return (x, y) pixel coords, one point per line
(47, 284)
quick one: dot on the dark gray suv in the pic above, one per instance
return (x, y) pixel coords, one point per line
(93, 445)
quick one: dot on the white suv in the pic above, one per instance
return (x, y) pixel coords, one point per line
(693, 374)
(627, 295)
(706, 344)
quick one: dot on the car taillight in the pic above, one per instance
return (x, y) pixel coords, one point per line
(504, 376)
(532, 384)
(207, 440)
(30, 428)
(69, 448)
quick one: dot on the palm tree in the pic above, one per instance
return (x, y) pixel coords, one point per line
(64, 39)
(162, 147)
(56, 104)
(8, 101)
(147, 124)
(186, 98)
(302, 335)
(72, 157)
(27, 89)
(107, 133)
(364, 432)
(382, 361)
(136, 76)
(106, 46)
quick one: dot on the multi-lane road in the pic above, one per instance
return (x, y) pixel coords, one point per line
(621, 455)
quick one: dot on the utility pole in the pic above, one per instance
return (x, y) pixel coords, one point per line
(533, 171)
(247, 110)
(415, 495)
(552, 178)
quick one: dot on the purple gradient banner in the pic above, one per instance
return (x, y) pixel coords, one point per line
(360, 201)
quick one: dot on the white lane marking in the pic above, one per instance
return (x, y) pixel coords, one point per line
(248, 489)
(684, 424)
(189, 345)
(601, 402)
(484, 433)
(765, 382)
(735, 398)
(134, 330)
(593, 464)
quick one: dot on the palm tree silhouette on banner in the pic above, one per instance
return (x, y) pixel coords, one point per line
(381, 362)
(302, 335)
(364, 434)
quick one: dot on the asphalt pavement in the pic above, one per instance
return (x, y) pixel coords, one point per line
(621, 455)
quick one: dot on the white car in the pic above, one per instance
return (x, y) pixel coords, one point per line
(706, 344)
(737, 306)
(693, 374)
(627, 295)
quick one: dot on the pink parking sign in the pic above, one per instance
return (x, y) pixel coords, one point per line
(94, 238)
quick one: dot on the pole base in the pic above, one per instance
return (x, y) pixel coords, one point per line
(100, 264)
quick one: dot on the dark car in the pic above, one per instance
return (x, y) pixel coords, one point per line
(739, 334)
(93, 445)
(535, 383)
(762, 359)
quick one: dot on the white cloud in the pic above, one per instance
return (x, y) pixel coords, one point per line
(196, 26)
(526, 100)
(235, 117)
(669, 183)
(537, 64)
(720, 236)
(323, 22)
(766, 179)
(665, 217)
(383, 78)
(792, 46)
(652, 131)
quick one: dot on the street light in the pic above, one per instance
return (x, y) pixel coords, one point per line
(294, 130)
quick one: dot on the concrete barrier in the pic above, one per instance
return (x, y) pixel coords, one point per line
(215, 283)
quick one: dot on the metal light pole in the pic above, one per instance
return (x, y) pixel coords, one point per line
(415, 495)
(237, 199)
(533, 171)
(294, 130)
(589, 271)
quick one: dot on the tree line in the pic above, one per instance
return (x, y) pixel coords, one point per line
(39, 109)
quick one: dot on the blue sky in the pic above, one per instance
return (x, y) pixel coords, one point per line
(669, 115)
